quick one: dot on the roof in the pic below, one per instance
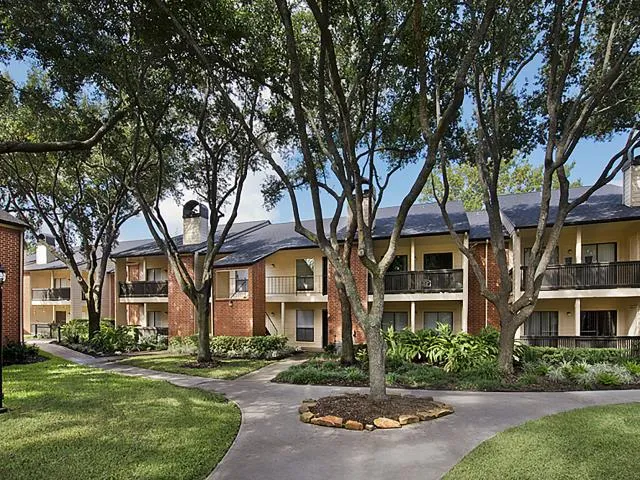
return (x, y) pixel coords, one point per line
(604, 205)
(150, 248)
(422, 219)
(8, 219)
(30, 264)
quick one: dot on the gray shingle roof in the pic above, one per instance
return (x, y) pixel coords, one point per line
(7, 218)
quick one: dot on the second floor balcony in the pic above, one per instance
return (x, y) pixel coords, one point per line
(580, 276)
(51, 294)
(144, 289)
(296, 285)
(448, 280)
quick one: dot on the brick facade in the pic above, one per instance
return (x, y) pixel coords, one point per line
(333, 301)
(182, 319)
(481, 311)
(243, 317)
(11, 256)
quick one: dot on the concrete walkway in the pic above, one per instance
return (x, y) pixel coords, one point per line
(273, 444)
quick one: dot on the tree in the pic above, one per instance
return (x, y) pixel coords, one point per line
(347, 104)
(586, 61)
(81, 197)
(516, 176)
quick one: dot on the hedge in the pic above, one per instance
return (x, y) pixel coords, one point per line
(273, 346)
(553, 355)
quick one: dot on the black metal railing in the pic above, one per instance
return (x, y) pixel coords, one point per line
(627, 343)
(294, 285)
(589, 275)
(51, 294)
(144, 289)
(426, 281)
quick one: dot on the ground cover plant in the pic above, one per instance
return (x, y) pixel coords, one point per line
(441, 359)
(589, 443)
(74, 422)
(224, 369)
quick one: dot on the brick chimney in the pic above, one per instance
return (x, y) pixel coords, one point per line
(368, 201)
(43, 255)
(195, 222)
(631, 180)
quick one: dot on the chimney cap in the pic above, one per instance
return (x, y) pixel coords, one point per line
(194, 209)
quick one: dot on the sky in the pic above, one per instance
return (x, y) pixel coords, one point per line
(590, 158)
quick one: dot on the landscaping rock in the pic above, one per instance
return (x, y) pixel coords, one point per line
(353, 425)
(306, 417)
(383, 422)
(369, 428)
(308, 400)
(309, 404)
(407, 419)
(327, 421)
(303, 408)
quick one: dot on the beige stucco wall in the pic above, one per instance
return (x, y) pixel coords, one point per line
(429, 306)
(422, 245)
(273, 310)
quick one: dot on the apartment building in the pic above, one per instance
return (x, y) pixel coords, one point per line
(53, 296)
(11, 248)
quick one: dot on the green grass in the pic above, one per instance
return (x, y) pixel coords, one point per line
(227, 370)
(74, 422)
(590, 443)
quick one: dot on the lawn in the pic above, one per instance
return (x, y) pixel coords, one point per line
(590, 443)
(228, 369)
(74, 422)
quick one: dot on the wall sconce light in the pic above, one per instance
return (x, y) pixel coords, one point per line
(570, 251)
(231, 303)
(569, 314)
(273, 265)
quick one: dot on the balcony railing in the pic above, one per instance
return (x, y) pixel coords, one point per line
(144, 289)
(589, 275)
(427, 281)
(51, 294)
(627, 343)
(295, 285)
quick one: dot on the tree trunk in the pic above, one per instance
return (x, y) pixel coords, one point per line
(347, 356)
(375, 349)
(203, 313)
(94, 316)
(507, 338)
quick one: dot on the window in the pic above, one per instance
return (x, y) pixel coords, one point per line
(304, 274)
(396, 320)
(241, 281)
(432, 319)
(542, 324)
(155, 275)
(60, 283)
(157, 319)
(599, 253)
(438, 261)
(304, 326)
(527, 257)
(399, 264)
(598, 323)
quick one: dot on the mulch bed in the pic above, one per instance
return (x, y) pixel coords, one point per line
(358, 407)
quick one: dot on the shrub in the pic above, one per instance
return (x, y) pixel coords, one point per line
(589, 375)
(556, 356)
(77, 330)
(274, 346)
(325, 372)
(187, 345)
(17, 353)
(114, 339)
(633, 368)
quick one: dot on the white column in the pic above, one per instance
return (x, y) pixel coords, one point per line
(412, 260)
(144, 270)
(517, 262)
(144, 314)
(413, 316)
(578, 244)
(576, 314)
(282, 313)
(464, 317)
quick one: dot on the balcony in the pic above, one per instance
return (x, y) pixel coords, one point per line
(51, 294)
(580, 276)
(427, 281)
(628, 343)
(144, 289)
(296, 285)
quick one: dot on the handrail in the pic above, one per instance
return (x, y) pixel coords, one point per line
(424, 281)
(293, 284)
(144, 289)
(589, 275)
(51, 294)
(273, 324)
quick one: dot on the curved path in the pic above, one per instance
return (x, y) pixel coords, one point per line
(273, 444)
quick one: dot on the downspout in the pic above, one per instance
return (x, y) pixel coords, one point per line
(196, 276)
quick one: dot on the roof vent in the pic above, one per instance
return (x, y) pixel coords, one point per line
(195, 221)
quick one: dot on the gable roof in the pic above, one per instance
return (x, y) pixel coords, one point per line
(8, 219)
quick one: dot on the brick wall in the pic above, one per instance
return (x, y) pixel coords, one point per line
(181, 311)
(333, 301)
(243, 317)
(11, 258)
(481, 311)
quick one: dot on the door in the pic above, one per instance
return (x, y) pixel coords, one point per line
(61, 317)
(325, 328)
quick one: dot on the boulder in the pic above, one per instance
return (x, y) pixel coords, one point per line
(407, 419)
(369, 428)
(383, 422)
(306, 417)
(353, 425)
(327, 421)
(303, 408)
(436, 412)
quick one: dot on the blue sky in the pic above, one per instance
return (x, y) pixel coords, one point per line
(590, 157)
